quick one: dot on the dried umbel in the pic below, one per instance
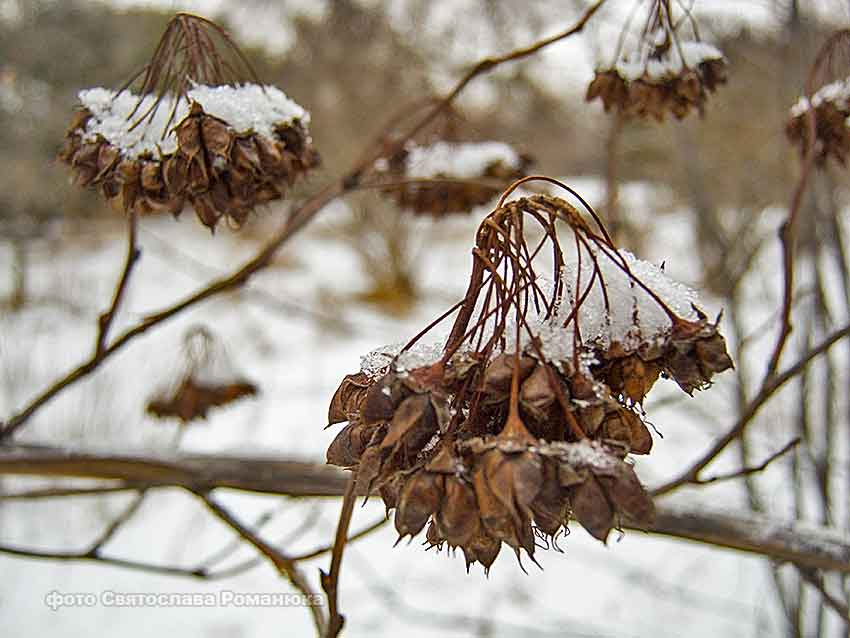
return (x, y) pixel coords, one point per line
(200, 132)
(661, 73)
(208, 379)
(525, 416)
(451, 177)
(831, 104)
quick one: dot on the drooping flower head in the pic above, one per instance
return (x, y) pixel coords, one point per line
(525, 414)
(195, 128)
(659, 69)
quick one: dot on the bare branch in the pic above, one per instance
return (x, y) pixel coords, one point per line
(285, 565)
(746, 471)
(330, 580)
(809, 546)
(774, 383)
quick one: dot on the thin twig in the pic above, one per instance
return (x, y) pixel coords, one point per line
(65, 492)
(100, 558)
(330, 579)
(746, 471)
(104, 322)
(773, 384)
(281, 561)
(815, 579)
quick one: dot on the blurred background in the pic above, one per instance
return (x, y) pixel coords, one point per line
(704, 195)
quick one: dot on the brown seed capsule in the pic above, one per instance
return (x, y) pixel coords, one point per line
(350, 443)
(175, 174)
(189, 134)
(591, 508)
(499, 373)
(628, 496)
(458, 515)
(412, 426)
(217, 137)
(348, 397)
(421, 496)
(482, 548)
(626, 426)
(536, 395)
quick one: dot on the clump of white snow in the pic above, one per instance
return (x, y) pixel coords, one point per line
(377, 362)
(461, 160)
(670, 64)
(622, 310)
(838, 93)
(143, 127)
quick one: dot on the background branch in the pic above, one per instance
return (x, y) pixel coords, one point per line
(810, 546)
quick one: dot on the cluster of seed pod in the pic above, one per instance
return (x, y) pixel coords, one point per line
(831, 110)
(691, 355)
(497, 479)
(445, 191)
(648, 96)
(215, 170)
(485, 444)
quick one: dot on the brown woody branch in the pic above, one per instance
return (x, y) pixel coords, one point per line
(803, 545)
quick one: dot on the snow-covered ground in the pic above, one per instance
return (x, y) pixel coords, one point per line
(637, 586)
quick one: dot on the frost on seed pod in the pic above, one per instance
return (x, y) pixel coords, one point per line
(453, 177)
(209, 136)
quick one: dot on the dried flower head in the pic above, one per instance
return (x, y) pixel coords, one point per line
(451, 177)
(660, 72)
(525, 415)
(208, 379)
(822, 112)
(201, 131)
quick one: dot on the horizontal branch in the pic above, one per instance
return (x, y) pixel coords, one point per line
(804, 545)
(200, 472)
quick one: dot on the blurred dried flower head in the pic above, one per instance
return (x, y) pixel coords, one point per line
(656, 71)
(201, 131)
(831, 104)
(525, 415)
(207, 379)
(447, 177)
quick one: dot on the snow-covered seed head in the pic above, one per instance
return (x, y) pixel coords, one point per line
(657, 72)
(523, 416)
(201, 131)
(445, 177)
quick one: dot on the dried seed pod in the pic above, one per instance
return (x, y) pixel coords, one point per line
(452, 177)
(628, 496)
(481, 548)
(458, 516)
(414, 423)
(421, 496)
(382, 398)
(537, 395)
(591, 508)
(625, 426)
(499, 373)
(348, 398)
(348, 446)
